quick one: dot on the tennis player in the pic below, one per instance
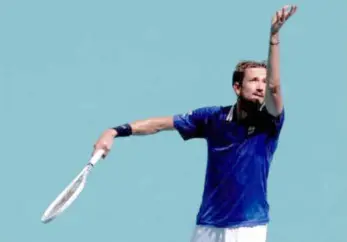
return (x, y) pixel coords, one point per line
(241, 141)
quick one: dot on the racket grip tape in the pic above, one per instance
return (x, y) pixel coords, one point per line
(96, 157)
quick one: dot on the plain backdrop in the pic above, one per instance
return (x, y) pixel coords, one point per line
(70, 69)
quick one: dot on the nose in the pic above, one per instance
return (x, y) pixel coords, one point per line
(260, 87)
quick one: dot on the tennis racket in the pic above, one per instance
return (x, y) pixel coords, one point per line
(71, 192)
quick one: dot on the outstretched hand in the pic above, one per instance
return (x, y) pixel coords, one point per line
(281, 17)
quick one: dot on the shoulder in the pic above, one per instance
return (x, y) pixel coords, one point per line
(269, 122)
(197, 122)
(216, 112)
(205, 111)
(209, 109)
(264, 114)
(204, 114)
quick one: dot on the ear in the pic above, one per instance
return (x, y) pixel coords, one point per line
(237, 88)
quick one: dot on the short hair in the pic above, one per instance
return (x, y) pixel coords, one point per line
(241, 67)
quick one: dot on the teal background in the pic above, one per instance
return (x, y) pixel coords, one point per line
(70, 69)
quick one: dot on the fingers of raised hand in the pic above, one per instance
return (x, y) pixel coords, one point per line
(285, 13)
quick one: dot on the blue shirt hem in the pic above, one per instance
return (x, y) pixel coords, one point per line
(251, 223)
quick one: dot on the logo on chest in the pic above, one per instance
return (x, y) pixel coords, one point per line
(250, 130)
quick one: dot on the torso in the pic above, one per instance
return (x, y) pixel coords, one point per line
(239, 157)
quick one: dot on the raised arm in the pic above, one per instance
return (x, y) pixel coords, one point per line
(273, 96)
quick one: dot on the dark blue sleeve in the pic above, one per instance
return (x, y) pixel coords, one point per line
(276, 123)
(195, 123)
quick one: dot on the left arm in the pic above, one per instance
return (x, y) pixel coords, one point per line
(273, 96)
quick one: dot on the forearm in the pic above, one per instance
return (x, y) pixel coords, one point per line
(273, 87)
(149, 126)
(274, 63)
(152, 125)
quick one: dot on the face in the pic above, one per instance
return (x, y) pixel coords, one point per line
(253, 85)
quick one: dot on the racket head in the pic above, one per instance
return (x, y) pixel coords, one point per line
(66, 197)
(72, 191)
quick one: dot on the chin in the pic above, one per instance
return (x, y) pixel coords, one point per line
(252, 100)
(257, 101)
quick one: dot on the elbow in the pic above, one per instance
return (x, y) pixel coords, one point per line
(274, 87)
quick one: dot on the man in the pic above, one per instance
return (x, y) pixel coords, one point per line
(241, 140)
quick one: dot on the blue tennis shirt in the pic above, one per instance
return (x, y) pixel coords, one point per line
(239, 157)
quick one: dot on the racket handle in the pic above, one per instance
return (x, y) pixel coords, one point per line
(96, 157)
